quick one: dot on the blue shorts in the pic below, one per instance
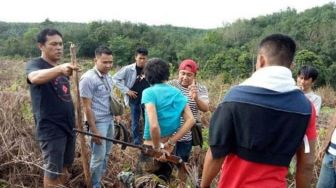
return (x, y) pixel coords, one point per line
(57, 153)
(183, 150)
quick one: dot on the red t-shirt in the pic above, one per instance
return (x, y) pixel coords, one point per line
(237, 172)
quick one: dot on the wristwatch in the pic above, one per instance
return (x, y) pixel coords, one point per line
(171, 143)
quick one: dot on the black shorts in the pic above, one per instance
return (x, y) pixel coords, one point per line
(57, 153)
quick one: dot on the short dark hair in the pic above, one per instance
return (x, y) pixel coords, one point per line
(142, 51)
(42, 35)
(308, 72)
(279, 48)
(156, 71)
(102, 50)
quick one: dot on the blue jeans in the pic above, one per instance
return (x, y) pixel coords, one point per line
(327, 177)
(100, 153)
(183, 149)
(135, 125)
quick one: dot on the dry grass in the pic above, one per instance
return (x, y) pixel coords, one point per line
(328, 96)
(20, 158)
(21, 163)
(18, 151)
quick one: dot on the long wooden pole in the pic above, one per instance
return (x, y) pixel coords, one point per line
(79, 120)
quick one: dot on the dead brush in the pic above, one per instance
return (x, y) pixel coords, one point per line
(21, 163)
(11, 75)
(19, 156)
(327, 94)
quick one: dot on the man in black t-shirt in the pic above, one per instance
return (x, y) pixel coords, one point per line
(140, 84)
(131, 81)
(52, 106)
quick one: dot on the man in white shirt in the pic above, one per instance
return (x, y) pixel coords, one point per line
(307, 75)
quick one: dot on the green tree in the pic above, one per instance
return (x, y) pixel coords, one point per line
(306, 57)
(331, 75)
(29, 42)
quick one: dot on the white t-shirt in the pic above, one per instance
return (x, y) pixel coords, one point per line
(332, 149)
(316, 100)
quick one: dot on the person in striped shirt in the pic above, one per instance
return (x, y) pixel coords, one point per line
(198, 100)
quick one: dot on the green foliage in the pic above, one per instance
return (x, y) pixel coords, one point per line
(234, 63)
(26, 113)
(29, 42)
(327, 110)
(331, 75)
(205, 134)
(3, 183)
(229, 51)
(306, 57)
(123, 47)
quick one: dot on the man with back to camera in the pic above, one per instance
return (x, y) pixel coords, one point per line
(260, 125)
(52, 107)
(130, 80)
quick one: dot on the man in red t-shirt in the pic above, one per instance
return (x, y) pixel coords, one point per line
(261, 124)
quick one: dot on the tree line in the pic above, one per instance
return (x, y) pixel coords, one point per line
(228, 50)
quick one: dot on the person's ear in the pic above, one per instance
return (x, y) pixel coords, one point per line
(40, 46)
(292, 66)
(261, 61)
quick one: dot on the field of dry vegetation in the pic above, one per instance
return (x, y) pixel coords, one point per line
(20, 158)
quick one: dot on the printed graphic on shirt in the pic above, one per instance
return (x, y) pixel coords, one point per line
(62, 88)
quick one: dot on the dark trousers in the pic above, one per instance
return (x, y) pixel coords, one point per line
(136, 111)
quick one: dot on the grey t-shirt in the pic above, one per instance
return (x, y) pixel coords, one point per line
(316, 100)
(98, 88)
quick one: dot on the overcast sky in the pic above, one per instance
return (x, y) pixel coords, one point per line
(188, 13)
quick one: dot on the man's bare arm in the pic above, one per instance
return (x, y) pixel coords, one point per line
(211, 168)
(87, 104)
(153, 124)
(305, 166)
(202, 105)
(45, 75)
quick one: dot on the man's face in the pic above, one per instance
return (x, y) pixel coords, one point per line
(52, 48)
(104, 63)
(304, 84)
(186, 77)
(141, 60)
